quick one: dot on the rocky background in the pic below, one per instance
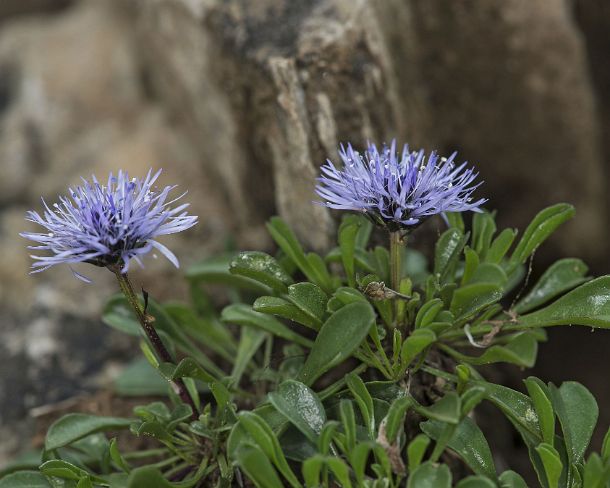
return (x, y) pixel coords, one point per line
(241, 100)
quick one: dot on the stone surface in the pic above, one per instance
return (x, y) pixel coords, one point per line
(506, 84)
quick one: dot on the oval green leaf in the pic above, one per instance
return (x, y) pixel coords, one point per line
(24, 479)
(338, 338)
(261, 267)
(75, 426)
(589, 304)
(468, 442)
(541, 227)
(429, 475)
(471, 299)
(562, 276)
(242, 314)
(301, 406)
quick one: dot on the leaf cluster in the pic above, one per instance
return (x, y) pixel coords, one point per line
(315, 373)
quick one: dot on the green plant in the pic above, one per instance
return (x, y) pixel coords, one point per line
(317, 374)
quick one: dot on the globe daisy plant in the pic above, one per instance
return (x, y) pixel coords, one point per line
(109, 225)
(398, 191)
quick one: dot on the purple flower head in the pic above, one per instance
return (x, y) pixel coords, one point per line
(397, 191)
(108, 224)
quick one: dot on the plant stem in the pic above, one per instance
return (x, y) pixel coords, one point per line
(395, 242)
(146, 321)
(395, 266)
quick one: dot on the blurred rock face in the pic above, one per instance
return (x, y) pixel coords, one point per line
(241, 101)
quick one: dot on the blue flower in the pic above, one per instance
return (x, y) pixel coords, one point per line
(108, 225)
(397, 192)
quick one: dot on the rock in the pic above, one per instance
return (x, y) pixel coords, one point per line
(508, 86)
(279, 84)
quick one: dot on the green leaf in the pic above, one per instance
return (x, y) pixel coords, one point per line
(551, 462)
(312, 469)
(242, 314)
(156, 430)
(483, 229)
(380, 256)
(596, 474)
(285, 309)
(489, 273)
(476, 482)
(189, 368)
(258, 468)
(326, 436)
(562, 276)
(250, 340)
(286, 240)
(471, 398)
(310, 299)
(349, 295)
(447, 409)
(364, 400)
(340, 470)
(606, 446)
(589, 304)
(471, 299)
(301, 406)
(499, 247)
(363, 260)
(510, 479)
(165, 324)
(414, 265)
(577, 412)
(338, 338)
(429, 475)
(348, 420)
(149, 476)
(324, 280)
(455, 219)
(348, 232)
(119, 315)
(364, 232)
(75, 426)
(544, 409)
(447, 252)
(207, 330)
(116, 456)
(543, 225)
(521, 350)
(419, 340)
(359, 456)
(428, 312)
(416, 450)
(261, 267)
(471, 263)
(468, 442)
(27, 461)
(139, 378)
(239, 436)
(84, 483)
(63, 469)
(24, 479)
(517, 407)
(268, 443)
(215, 270)
(395, 418)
